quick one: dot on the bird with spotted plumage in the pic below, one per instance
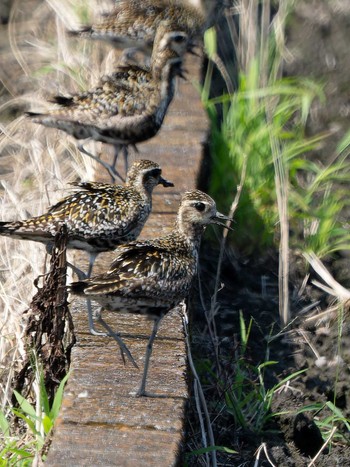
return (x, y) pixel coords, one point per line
(153, 276)
(128, 106)
(133, 23)
(98, 218)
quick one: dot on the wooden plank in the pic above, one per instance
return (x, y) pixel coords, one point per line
(101, 422)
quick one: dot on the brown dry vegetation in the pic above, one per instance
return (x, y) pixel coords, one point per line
(37, 164)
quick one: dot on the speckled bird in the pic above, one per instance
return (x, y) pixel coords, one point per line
(152, 276)
(133, 23)
(99, 216)
(128, 106)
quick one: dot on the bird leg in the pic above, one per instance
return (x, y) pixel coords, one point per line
(142, 389)
(92, 257)
(118, 148)
(110, 168)
(125, 155)
(116, 337)
(92, 329)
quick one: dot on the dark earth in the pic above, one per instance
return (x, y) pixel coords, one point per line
(318, 337)
(293, 438)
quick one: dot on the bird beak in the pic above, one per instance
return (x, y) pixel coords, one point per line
(219, 220)
(164, 182)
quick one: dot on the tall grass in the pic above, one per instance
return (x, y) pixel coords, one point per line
(260, 130)
(37, 164)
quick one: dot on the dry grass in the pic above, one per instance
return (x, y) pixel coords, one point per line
(36, 163)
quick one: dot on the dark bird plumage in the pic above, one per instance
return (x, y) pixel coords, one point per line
(99, 216)
(128, 106)
(153, 276)
(133, 23)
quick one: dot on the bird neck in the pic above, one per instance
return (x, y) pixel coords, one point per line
(190, 230)
(144, 190)
(167, 78)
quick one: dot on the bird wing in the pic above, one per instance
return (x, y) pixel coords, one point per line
(145, 270)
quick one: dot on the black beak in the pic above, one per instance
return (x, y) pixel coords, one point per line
(219, 220)
(164, 182)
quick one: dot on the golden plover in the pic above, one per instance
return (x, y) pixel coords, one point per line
(133, 23)
(98, 217)
(153, 276)
(128, 106)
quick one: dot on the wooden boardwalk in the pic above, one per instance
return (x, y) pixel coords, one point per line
(101, 422)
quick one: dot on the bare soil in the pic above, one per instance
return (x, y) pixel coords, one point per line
(311, 342)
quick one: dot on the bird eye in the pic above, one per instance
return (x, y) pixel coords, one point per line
(199, 206)
(179, 39)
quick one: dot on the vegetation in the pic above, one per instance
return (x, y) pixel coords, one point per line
(38, 423)
(284, 200)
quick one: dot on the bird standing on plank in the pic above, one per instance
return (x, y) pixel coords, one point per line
(98, 217)
(153, 276)
(134, 23)
(128, 106)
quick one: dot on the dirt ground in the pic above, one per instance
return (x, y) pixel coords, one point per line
(315, 341)
(310, 342)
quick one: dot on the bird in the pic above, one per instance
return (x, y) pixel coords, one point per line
(153, 276)
(133, 23)
(128, 106)
(98, 217)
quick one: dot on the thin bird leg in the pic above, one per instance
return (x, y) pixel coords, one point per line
(81, 275)
(111, 170)
(118, 148)
(92, 329)
(126, 156)
(142, 390)
(122, 346)
(92, 257)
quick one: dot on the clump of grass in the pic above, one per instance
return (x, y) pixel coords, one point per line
(243, 138)
(287, 200)
(38, 420)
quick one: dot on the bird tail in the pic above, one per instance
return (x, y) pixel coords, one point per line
(4, 227)
(77, 288)
(84, 31)
(32, 114)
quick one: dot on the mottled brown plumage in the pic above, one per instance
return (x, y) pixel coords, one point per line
(98, 216)
(133, 23)
(153, 276)
(128, 106)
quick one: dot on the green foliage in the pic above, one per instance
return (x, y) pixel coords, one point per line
(252, 116)
(245, 395)
(327, 416)
(318, 197)
(247, 398)
(39, 422)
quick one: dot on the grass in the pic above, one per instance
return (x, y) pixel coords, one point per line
(284, 200)
(247, 397)
(38, 422)
(36, 164)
